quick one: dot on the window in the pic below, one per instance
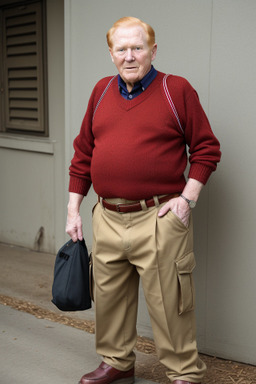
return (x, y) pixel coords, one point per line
(23, 68)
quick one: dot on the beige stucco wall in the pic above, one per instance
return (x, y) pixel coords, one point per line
(230, 312)
(32, 169)
(211, 43)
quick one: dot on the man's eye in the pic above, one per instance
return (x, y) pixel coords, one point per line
(138, 48)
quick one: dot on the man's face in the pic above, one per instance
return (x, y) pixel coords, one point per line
(131, 54)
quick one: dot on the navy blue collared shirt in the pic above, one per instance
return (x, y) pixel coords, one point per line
(139, 87)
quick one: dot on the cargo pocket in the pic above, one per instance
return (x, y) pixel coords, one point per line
(184, 269)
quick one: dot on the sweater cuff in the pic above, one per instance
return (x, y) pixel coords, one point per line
(80, 186)
(200, 172)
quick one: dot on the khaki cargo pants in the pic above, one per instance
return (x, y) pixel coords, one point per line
(159, 251)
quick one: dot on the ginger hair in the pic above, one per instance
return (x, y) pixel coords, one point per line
(131, 22)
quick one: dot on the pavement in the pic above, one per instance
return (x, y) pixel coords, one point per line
(35, 350)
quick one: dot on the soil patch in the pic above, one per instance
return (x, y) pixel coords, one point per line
(219, 371)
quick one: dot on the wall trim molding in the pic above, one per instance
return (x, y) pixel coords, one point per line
(27, 144)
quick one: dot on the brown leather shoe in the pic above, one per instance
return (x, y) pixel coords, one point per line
(106, 374)
(183, 382)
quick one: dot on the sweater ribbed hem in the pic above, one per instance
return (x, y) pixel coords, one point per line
(80, 186)
(200, 172)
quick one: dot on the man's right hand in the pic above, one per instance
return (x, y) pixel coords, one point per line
(74, 221)
(74, 227)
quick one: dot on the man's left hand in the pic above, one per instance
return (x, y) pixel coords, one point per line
(179, 207)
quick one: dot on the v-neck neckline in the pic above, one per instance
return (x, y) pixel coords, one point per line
(129, 104)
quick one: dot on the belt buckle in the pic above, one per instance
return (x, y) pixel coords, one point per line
(118, 207)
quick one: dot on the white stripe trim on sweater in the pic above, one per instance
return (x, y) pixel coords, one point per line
(167, 94)
(102, 95)
(170, 101)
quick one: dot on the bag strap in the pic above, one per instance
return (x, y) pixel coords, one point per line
(102, 95)
(171, 103)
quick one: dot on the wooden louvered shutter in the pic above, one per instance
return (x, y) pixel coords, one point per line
(23, 69)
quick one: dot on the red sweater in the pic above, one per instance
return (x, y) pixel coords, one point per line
(134, 149)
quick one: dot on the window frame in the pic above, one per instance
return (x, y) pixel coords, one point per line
(40, 127)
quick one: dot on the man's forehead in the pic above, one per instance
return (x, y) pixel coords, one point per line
(129, 33)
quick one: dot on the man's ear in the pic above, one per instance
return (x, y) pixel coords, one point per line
(111, 54)
(153, 52)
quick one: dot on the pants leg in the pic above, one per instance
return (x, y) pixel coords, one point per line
(161, 250)
(166, 274)
(116, 290)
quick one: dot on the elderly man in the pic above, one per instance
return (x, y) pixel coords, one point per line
(132, 148)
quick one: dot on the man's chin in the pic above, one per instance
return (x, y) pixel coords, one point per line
(131, 78)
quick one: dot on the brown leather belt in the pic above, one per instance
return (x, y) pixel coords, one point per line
(136, 206)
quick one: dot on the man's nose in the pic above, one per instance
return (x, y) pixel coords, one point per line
(129, 55)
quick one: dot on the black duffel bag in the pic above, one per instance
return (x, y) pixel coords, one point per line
(70, 289)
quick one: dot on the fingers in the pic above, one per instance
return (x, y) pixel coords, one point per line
(74, 228)
(72, 232)
(80, 233)
(179, 208)
(75, 234)
(185, 219)
(164, 209)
